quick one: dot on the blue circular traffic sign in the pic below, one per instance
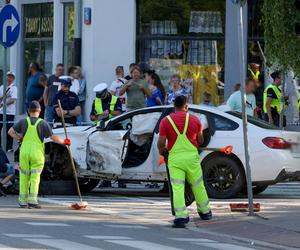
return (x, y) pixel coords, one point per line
(9, 25)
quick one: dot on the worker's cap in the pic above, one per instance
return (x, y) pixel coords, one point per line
(10, 73)
(66, 80)
(276, 74)
(101, 87)
(34, 106)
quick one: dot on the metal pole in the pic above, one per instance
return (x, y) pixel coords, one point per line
(4, 134)
(77, 32)
(244, 99)
(282, 102)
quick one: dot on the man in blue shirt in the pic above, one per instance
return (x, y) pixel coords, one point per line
(35, 87)
(69, 102)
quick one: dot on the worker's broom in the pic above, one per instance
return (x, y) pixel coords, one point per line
(81, 204)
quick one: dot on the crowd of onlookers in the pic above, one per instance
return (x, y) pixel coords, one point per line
(136, 90)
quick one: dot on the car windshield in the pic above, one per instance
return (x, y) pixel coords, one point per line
(254, 121)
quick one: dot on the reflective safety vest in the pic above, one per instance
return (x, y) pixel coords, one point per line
(256, 75)
(275, 103)
(98, 105)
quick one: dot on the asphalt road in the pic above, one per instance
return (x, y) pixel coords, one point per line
(120, 219)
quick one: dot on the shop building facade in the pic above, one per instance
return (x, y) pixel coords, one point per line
(195, 38)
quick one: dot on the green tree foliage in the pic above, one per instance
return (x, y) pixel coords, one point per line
(282, 45)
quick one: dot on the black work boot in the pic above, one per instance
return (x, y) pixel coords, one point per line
(206, 216)
(181, 222)
(36, 206)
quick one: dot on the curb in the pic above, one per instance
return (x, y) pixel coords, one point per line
(250, 242)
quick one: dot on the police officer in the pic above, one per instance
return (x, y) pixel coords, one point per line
(183, 133)
(69, 102)
(32, 131)
(272, 100)
(105, 105)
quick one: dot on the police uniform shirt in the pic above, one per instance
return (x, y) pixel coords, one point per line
(271, 93)
(68, 101)
(106, 105)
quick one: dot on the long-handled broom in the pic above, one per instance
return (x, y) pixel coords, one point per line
(81, 204)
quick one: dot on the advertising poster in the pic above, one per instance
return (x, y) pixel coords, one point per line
(200, 79)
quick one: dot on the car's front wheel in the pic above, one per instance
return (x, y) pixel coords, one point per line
(223, 176)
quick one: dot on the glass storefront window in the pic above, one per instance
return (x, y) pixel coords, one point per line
(256, 37)
(38, 35)
(181, 17)
(69, 16)
(37, 40)
(184, 37)
(255, 17)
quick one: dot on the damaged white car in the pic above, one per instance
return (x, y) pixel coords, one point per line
(124, 148)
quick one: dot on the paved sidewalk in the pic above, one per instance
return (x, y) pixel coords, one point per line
(277, 223)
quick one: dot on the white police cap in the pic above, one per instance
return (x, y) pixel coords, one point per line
(100, 87)
(11, 73)
(67, 80)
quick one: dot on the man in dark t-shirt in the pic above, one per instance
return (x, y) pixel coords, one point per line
(51, 90)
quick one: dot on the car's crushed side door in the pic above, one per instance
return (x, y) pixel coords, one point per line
(104, 152)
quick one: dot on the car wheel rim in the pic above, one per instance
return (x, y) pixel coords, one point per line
(220, 177)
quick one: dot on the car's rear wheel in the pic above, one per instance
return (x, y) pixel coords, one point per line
(223, 176)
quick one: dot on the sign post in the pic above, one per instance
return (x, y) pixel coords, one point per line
(9, 33)
(240, 4)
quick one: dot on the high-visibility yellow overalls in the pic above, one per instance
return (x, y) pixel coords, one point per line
(32, 158)
(184, 164)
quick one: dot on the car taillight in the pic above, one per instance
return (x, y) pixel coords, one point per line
(276, 143)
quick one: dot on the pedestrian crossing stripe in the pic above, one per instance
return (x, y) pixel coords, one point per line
(124, 241)
(143, 245)
(47, 224)
(105, 237)
(63, 244)
(27, 235)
